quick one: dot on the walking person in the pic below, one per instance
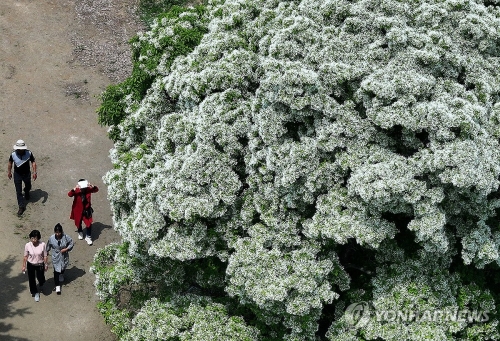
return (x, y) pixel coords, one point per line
(81, 210)
(60, 244)
(35, 261)
(21, 157)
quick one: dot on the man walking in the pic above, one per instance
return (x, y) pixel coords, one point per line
(21, 158)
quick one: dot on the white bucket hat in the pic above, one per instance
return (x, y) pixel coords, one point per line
(20, 145)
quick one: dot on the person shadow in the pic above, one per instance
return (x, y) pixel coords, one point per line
(97, 229)
(70, 275)
(37, 195)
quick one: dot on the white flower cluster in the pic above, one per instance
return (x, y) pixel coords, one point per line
(295, 127)
(268, 277)
(421, 284)
(188, 318)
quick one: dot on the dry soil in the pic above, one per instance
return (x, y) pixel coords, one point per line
(56, 56)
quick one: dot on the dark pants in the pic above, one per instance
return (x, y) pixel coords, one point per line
(38, 272)
(88, 228)
(18, 182)
(56, 277)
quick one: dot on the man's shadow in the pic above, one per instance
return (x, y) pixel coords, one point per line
(37, 195)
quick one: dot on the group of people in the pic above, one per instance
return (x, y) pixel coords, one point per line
(35, 259)
(36, 251)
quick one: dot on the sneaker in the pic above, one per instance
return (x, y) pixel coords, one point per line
(21, 211)
(37, 297)
(61, 278)
(80, 235)
(88, 240)
(58, 290)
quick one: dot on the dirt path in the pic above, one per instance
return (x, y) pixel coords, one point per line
(53, 62)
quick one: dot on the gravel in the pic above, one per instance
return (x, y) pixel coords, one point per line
(102, 31)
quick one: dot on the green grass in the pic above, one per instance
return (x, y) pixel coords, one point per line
(150, 9)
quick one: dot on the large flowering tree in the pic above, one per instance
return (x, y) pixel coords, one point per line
(276, 161)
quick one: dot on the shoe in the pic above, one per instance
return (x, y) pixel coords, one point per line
(88, 240)
(80, 235)
(21, 211)
(61, 278)
(37, 297)
(58, 290)
(27, 195)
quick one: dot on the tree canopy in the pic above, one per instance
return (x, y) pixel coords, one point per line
(277, 161)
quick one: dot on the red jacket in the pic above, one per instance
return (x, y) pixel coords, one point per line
(77, 207)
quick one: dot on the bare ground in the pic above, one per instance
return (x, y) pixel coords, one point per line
(56, 56)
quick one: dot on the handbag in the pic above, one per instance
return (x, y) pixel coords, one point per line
(87, 212)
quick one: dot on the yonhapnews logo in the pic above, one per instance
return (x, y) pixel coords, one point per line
(359, 314)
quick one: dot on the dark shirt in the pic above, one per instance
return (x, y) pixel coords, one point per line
(24, 169)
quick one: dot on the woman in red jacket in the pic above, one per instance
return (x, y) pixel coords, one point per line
(82, 208)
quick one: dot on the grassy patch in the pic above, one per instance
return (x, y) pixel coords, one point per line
(150, 9)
